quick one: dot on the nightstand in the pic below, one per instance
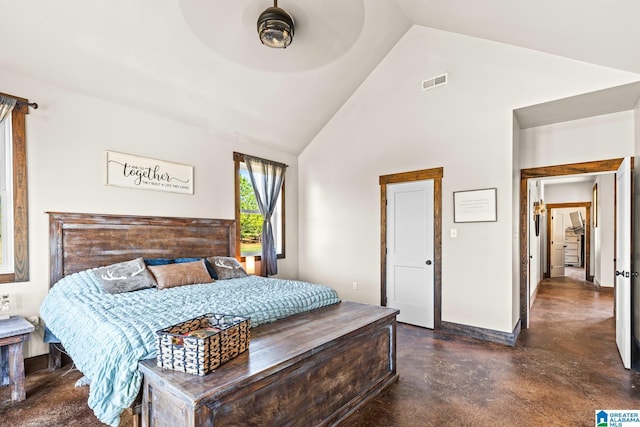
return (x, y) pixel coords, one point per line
(13, 333)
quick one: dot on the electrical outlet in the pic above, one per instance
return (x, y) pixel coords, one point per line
(355, 286)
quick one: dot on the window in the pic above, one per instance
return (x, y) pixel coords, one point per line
(249, 219)
(6, 198)
(14, 264)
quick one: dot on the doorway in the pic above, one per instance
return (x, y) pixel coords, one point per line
(611, 165)
(434, 175)
(583, 243)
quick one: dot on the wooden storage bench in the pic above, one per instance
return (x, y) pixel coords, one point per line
(311, 369)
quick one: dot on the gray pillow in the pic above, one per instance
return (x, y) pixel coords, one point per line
(227, 267)
(125, 276)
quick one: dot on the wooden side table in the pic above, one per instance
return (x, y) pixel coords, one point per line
(13, 333)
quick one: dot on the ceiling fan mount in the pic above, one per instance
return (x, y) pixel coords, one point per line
(275, 27)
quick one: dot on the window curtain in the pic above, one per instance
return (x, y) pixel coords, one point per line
(6, 106)
(266, 178)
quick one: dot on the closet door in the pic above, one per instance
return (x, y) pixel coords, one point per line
(410, 251)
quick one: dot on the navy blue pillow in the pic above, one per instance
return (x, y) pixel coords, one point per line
(49, 338)
(181, 260)
(210, 269)
(158, 261)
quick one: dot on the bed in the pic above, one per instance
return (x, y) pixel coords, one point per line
(82, 242)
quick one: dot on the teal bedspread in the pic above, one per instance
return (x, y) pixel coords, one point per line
(107, 335)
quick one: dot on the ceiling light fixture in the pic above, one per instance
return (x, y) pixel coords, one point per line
(275, 27)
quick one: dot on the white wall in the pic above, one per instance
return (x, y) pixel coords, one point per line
(602, 137)
(66, 140)
(390, 126)
(515, 225)
(577, 192)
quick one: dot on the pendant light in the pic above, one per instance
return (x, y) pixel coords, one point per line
(275, 27)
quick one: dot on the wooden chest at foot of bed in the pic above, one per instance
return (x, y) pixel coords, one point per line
(311, 369)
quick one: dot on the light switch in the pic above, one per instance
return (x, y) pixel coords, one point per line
(454, 233)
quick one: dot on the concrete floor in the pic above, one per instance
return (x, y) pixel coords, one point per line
(562, 369)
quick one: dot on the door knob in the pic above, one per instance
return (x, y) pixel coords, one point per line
(428, 262)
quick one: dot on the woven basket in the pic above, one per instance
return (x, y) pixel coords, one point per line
(200, 345)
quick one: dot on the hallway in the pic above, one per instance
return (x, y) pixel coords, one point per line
(560, 371)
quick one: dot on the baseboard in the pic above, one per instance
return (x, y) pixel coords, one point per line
(635, 353)
(508, 338)
(38, 363)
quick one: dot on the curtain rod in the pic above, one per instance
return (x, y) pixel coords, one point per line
(240, 157)
(33, 105)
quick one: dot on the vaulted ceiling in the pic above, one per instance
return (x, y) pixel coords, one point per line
(200, 61)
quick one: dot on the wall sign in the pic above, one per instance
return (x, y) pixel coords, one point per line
(475, 205)
(126, 170)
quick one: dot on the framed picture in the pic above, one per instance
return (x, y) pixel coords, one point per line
(126, 170)
(475, 205)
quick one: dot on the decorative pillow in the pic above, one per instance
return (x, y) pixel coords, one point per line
(158, 261)
(183, 260)
(184, 273)
(125, 276)
(49, 338)
(227, 267)
(207, 264)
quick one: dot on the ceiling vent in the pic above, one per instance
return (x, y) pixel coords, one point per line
(435, 81)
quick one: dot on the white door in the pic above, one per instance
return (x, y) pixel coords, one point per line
(557, 243)
(623, 261)
(410, 263)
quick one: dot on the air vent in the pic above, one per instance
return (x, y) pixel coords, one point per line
(434, 81)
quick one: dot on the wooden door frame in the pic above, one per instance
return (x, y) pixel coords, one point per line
(587, 236)
(436, 175)
(546, 172)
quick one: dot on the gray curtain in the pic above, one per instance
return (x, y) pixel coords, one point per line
(6, 106)
(266, 178)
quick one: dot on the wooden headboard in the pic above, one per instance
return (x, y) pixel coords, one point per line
(79, 241)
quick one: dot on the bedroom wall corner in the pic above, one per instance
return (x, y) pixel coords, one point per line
(516, 264)
(466, 126)
(66, 140)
